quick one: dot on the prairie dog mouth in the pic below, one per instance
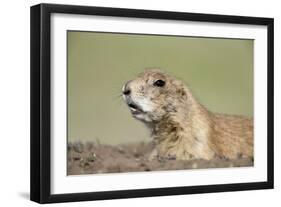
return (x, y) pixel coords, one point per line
(135, 109)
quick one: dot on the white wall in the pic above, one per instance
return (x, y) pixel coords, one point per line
(14, 104)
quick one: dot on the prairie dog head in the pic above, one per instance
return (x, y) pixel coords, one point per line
(154, 95)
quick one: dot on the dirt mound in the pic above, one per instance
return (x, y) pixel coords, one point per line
(90, 158)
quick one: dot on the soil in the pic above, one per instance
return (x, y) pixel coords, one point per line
(90, 158)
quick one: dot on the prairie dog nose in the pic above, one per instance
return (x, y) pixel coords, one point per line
(126, 89)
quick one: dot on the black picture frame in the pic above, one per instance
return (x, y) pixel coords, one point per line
(41, 99)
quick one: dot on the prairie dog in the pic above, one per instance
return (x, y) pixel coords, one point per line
(180, 126)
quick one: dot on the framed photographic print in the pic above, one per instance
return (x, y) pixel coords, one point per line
(133, 103)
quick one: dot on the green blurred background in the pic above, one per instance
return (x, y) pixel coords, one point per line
(219, 71)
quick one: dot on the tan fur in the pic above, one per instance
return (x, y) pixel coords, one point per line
(184, 129)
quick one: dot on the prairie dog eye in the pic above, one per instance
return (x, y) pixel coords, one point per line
(159, 83)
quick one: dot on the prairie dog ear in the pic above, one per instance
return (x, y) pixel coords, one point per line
(181, 92)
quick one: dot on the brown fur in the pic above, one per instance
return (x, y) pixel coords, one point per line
(182, 128)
